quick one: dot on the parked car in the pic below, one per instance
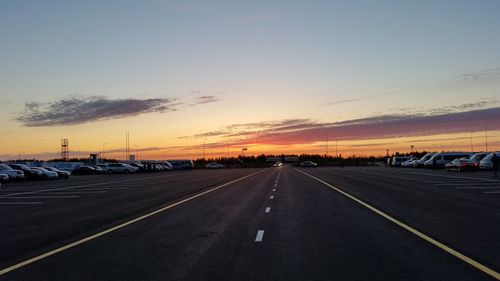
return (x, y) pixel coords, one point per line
(12, 173)
(159, 167)
(167, 165)
(98, 169)
(308, 164)
(4, 177)
(398, 160)
(46, 174)
(409, 162)
(84, 170)
(182, 164)
(112, 168)
(443, 158)
(459, 165)
(476, 159)
(419, 163)
(62, 174)
(28, 172)
(132, 167)
(214, 165)
(486, 163)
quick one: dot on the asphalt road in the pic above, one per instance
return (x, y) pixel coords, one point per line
(251, 224)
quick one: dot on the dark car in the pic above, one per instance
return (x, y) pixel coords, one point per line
(84, 170)
(31, 174)
(460, 165)
(98, 169)
(308, 164)
(62, 174)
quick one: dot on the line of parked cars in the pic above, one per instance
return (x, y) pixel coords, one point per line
(458, 161)
(18, 171)
(127, 167)
(21, 171)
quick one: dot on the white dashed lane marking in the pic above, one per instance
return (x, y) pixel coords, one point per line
(268, 209)
(260, 235)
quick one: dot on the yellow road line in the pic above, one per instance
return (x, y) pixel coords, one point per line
(102, 233)
(438, 244)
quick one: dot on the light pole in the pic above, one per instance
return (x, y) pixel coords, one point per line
(103, 149)
(243, 151)
(204, 148)
(136, 152)
(20, 152)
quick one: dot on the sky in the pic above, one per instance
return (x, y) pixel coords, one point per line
(335, 77)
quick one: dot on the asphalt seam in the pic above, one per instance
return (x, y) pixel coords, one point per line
(412, 230)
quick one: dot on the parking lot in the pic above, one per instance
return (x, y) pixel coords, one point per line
(280, 223)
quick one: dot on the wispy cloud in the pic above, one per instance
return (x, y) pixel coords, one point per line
(205, 99)
(481, 75)
(77, 110)
(355, 99)
(306, 131)
(342, 101)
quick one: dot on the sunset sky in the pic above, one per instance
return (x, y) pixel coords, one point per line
(273, 76)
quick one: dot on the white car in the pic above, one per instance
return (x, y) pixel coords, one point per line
(119, 168)
(13, 174)
(214, 165)
(419, 163)
(408, 163)
(486, 163)
(46, 174)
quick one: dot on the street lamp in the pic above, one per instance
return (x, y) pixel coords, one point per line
(136, 152)
(204, 148)
(243, 149)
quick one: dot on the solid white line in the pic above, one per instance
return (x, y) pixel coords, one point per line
(260, 235)
(271, 197)
(20, 203)
(491, 192)
(412, 230)
(120, 226)
(268, 209)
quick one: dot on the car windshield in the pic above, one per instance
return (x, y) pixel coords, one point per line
(5, 167)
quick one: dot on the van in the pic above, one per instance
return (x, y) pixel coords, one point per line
(443, 158)
(398, 160)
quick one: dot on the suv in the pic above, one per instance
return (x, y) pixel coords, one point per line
(13, 174)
